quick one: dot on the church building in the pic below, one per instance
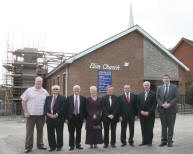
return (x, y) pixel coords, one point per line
(130, 57)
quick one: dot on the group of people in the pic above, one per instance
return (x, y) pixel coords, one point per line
(98, 113)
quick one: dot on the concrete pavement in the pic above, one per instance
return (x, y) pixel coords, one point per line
(12, 139)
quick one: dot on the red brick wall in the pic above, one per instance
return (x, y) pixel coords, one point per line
(55, 77)
(185, 54)
(126, 49)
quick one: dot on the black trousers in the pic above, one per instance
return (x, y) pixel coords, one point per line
(75, 124)
(112, 124)
(147, 125)
(130, 120)
(55, 126)
(167, 122)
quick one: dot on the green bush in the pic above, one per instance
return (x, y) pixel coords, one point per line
(189, 90)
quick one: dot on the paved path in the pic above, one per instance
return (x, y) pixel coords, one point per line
(12, 137)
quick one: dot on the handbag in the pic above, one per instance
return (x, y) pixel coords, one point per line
(96, 127)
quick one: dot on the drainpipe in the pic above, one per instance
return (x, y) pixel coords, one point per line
(66, 81)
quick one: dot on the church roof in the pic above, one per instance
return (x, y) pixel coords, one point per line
(190, 42)
(114, 38)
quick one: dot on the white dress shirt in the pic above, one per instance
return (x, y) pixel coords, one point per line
(165, 87)
(110, 100)
(128, 95)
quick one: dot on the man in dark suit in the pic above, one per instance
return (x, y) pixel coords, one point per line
(167, 99)
(128, 113)
(55, 116)
(146, 107)
(110, 107)
(76, 112)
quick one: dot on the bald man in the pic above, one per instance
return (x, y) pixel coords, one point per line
(33, 100)
(76, 113)
(146, 106)
(127, 114)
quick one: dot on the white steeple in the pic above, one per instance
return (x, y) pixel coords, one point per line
(131, 20)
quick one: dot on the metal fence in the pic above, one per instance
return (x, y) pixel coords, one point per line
(185, 99)
(185, 104)
(15, 108)
(10, 109)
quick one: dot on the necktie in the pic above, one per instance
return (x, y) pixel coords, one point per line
(76, 105)
(166, 92)
(146, 95)
(53, 102)
(110, 100)
(128, 98)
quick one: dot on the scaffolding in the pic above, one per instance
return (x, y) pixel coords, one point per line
(22, 66)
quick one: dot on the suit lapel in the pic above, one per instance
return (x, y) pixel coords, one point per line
(143, 97)
(56, 103)
(80, 103)
(124, 98)
(169, 91)
(131, 98)
(72, 101)
(148, 96)
(162, 91)
(50, 102)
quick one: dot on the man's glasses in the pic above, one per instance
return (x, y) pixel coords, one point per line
(55, 89)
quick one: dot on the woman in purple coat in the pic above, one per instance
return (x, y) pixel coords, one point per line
(93, 120)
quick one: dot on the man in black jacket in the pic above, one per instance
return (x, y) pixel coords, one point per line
(54, 109)
(76, 112)
(146, 107)
(128, 113)
(110, 107)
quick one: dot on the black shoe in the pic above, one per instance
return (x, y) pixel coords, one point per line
(91, 146)
(95, 146)
(71, 148)
(123, 144)
(42, 148)
(52, 149)
(131, 144)
(163, 144)
(113, 146)
(142, 144)
(59, 149)
(105, 146)
(170, 144)
(150, 144)
(79, 147)
(27, 150)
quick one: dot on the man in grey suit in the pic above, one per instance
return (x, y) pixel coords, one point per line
(167, 97)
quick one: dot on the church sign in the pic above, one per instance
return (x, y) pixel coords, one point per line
(104, 79)
(104, 67)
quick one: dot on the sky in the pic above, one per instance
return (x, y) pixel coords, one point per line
(75, 25)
